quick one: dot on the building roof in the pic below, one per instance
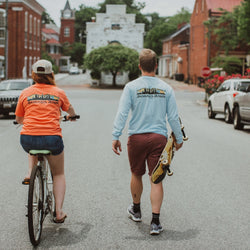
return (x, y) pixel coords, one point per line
(52, 41)
(49, 31)
(186, 26)
(228, 5)
(67, 6)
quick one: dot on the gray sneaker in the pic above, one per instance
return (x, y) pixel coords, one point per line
(132, 215)
(155, 229)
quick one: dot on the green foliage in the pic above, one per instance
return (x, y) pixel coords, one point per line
(83, 15)
(243, 13)
(230, 64)
(77, 52)
(112, 58)
(46, 19)
(163, 28)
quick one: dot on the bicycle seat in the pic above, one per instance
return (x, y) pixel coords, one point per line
(36, 152)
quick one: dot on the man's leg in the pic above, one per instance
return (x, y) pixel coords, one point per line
(136, 187)
(156, 196)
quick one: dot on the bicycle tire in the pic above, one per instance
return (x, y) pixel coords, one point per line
(35, 206)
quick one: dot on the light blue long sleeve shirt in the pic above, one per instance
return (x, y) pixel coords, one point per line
(151, 101)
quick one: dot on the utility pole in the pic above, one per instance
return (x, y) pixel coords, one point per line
(6, 40)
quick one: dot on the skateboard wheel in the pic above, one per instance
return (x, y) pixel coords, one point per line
(170, 173)
(165, 162)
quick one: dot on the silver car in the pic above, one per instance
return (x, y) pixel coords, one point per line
(221, 102)
(241, 107)
(9, 93)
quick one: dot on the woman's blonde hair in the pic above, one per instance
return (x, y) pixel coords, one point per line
(44, 78)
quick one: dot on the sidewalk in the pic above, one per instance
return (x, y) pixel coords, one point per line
(177, 85)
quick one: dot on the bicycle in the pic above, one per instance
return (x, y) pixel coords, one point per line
(41, 200)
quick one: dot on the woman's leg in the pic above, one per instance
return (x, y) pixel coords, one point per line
(32, 162)
(56, 163)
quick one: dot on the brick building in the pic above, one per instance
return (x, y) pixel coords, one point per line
(202, 49)
(24, 37)
(67, 31)
(175, 54)
(51, 45)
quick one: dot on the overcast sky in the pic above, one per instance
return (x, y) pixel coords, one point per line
(163, 7)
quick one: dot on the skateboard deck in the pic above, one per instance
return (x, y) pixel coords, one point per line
(163, 166)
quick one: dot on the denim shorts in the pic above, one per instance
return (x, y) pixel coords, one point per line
(53, 143)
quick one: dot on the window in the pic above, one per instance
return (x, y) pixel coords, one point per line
(38, 34)
(26, 30)
(197, 8)
(2, 28)
(66, 32)
(30, 24)
(115, 27)
(30, 65)
(202, 5)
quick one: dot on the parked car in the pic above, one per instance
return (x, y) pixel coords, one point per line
(241, 107)
(74, 70)
(10, 91)
(221, 102)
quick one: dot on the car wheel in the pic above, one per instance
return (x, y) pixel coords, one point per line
(210, 112)
(237, 120)
(227, 113)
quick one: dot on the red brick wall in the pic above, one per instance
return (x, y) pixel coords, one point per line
(69, 23)
(198, 41)
(16, 48)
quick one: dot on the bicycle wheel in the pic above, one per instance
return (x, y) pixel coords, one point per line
(35, 206)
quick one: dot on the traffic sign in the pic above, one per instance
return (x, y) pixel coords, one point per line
(205, 71)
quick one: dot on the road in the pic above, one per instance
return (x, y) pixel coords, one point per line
(206, 203)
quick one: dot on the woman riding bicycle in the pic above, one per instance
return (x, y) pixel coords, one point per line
(39, 109)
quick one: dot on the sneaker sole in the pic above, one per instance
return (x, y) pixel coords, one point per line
(154, 232)
(130, 216)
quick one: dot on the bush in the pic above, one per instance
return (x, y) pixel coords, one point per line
(95, 74)
(210, 85)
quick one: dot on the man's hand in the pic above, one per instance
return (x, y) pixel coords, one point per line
(116, 145)
(178, 146)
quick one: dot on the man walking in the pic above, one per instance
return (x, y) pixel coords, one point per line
(150, 100)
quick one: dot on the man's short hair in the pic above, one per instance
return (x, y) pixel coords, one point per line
(148, 60)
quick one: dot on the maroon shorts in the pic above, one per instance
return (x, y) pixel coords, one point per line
(144, 148)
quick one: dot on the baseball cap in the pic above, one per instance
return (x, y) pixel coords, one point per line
(42, 67)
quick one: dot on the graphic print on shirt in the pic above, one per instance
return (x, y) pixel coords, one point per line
(47, 98)
(150, 92)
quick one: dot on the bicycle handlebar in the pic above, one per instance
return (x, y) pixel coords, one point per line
(71, 118)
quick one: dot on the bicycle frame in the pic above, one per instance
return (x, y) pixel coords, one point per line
(40, 198)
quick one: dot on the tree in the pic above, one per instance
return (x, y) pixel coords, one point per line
(244, 21)
(112, 58)
(77, 52)
(46, 19)
(164, 27)
(83, 15)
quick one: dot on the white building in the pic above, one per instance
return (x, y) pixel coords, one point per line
(114, 26)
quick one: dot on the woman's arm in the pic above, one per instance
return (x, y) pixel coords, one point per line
(71, 111)
(19, 119)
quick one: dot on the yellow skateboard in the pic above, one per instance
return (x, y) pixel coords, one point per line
(163, 166)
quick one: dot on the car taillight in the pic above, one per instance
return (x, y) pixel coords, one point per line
(235, 94)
